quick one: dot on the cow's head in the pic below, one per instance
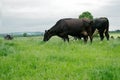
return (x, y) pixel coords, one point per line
(47, 35)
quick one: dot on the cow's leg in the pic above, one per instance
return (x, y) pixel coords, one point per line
(90, 38)
(61, 36)
(85, 39)
(67, 38)
(85, 36)
(64, 39)
(107, 34)
(101, 35)
(64, 36)
(89, 33)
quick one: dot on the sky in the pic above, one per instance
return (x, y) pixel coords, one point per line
(40, 15)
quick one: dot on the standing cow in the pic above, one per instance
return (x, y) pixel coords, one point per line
(102, 25)
(74, 27)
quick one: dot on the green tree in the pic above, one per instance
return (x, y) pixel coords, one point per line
(86, 14)
(24, 34)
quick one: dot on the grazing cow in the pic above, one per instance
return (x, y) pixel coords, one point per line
(102, 25)
(74, 27)
(8, 37)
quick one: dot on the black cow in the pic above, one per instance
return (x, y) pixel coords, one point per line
(102, 25)
(74, 27)
(8, 37)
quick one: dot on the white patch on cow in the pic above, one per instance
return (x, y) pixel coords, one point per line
(84, 33)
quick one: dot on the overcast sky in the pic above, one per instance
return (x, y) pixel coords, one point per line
(38, 15)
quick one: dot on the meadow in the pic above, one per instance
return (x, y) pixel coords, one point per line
(29, 58)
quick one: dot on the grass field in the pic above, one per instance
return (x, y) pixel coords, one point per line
(28, 58)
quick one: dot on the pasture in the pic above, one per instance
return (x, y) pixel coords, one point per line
(29, 58)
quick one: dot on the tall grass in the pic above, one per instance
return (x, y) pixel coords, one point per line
(32, 59)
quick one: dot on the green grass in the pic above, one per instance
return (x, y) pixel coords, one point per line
(29, 58)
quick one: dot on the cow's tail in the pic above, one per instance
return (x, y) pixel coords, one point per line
(107, 29)
(107, 25)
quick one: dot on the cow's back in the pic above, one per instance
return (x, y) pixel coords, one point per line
(68, 25)
(73, 24)
(100, 23)
(77, 24)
